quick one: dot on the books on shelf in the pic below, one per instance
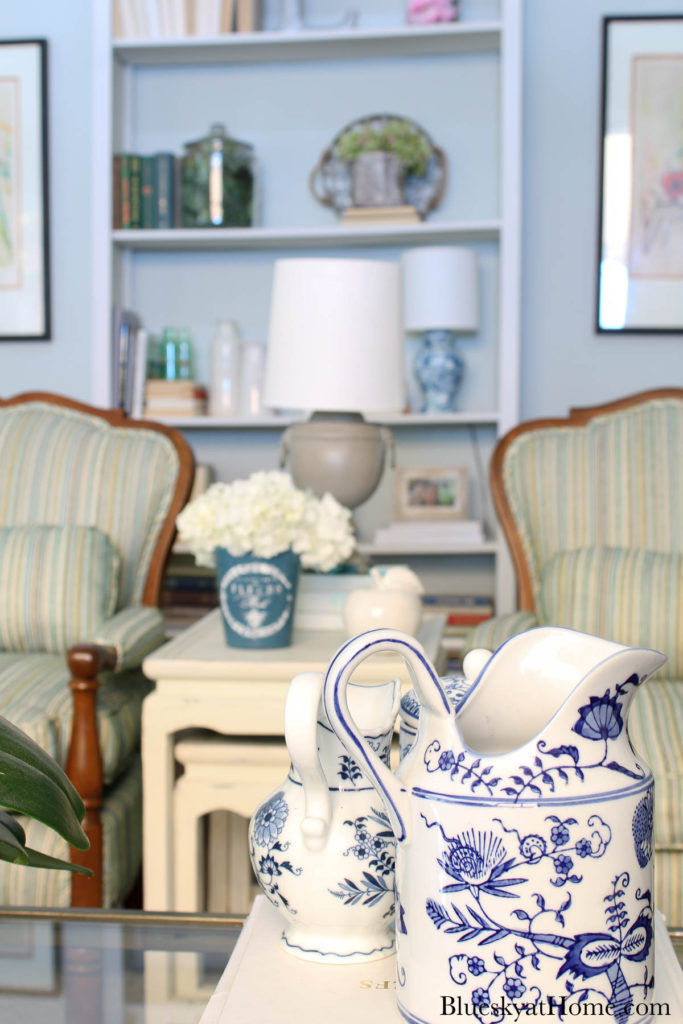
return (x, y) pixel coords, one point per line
(144, 191)
(174, 398)
(462, 612)
(418, 532)
(358, 215)
(126, 330)
(163, 19)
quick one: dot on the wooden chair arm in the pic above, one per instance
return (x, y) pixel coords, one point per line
(84, 764)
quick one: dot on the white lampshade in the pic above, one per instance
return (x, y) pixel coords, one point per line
(440, 289)
(335, 342)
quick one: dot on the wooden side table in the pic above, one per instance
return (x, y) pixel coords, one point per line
(202, 683)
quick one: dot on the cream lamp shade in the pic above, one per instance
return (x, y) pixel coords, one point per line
(335, 342)
(440, 289)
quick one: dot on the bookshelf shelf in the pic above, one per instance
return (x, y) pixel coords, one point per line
(455, 419)
(402, 40)
(488, 547)
(260, 238)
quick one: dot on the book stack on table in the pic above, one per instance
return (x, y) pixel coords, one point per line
(171, 398)
(188, 592)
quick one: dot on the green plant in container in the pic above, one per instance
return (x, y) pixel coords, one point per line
(32, 783)
(393, 136)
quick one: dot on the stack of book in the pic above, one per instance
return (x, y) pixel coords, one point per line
(359, 215)
(188, 592)
(171, 398)
(145, 191)
(462, 613)
(161, 19)
(448, 533)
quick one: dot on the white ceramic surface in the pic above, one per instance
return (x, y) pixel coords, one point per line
(524, 853)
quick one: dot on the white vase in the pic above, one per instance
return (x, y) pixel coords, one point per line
(321, 844)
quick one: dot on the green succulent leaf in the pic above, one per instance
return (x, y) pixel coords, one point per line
(28, 789)
(13, 741)
(11, 823)
(11, 847)
(35, 859)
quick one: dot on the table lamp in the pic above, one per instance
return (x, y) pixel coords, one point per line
(441, 299)
(335, 348)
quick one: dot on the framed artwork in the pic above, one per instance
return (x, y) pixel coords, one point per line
(24, 258)
(431, 493)
(640, 252)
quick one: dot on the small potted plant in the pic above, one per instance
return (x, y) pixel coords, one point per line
(381, 152)
(256, 533)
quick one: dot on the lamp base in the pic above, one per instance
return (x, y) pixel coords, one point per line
(439, 369)
(342, 456)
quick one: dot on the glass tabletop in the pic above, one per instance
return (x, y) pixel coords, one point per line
(95, 967)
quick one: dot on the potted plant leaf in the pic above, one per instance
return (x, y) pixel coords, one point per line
(381, 152)
(32, 783)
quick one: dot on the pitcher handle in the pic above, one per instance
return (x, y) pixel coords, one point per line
(301, 737)
(429, 691)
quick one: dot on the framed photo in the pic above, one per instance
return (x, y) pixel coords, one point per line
(640, 252)
(428, 494)
(24, 262)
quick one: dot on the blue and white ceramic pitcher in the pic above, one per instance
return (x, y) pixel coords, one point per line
(524, 854)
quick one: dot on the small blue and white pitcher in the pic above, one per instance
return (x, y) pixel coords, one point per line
(524, 830)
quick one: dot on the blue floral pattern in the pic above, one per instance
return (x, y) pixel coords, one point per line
(268, 824)
(485, 866)
(643, 829)
(378, 848)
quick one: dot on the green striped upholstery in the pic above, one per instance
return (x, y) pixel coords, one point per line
(134, 632)
(60, 466)
(58, 585)
(634, 597)
(35, 695)
(614, 482)
(122, 840)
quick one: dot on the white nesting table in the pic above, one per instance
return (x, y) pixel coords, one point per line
(203, 683)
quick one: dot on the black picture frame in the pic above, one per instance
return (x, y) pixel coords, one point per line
(24, 198)
(639, 272)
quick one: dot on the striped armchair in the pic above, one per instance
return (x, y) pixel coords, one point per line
(88, 501)
(592, 508)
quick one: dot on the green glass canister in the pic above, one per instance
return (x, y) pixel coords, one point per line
(217, 181)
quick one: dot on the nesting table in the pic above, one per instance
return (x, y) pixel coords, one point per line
(201, 683)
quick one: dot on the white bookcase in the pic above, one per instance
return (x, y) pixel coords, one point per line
(288, 95)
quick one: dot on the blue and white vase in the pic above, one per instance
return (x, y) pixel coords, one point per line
(524, 830)
(321, 844)
(439, 370)
(256, 597)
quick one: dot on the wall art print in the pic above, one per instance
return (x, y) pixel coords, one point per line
(640, 258)
(24, 266)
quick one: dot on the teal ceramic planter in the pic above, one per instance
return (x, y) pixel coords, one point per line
(257, 598)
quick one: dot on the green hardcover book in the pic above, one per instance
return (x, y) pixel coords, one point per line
(164, 184)
(124, 188)
(147, 197)
(135, 195)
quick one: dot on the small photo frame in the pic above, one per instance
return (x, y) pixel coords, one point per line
(431, 493)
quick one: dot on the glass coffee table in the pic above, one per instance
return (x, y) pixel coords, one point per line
(104, 967)
(128, 967)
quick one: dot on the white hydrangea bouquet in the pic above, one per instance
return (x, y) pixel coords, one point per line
(266, 515)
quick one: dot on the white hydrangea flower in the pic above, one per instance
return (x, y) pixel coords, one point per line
(266, 514)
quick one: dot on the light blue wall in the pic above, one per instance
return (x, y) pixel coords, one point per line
(61, 364)
(564, 361)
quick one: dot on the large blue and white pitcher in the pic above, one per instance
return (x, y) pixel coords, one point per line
(525, 830)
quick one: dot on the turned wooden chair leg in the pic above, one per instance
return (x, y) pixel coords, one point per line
(84, 766)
